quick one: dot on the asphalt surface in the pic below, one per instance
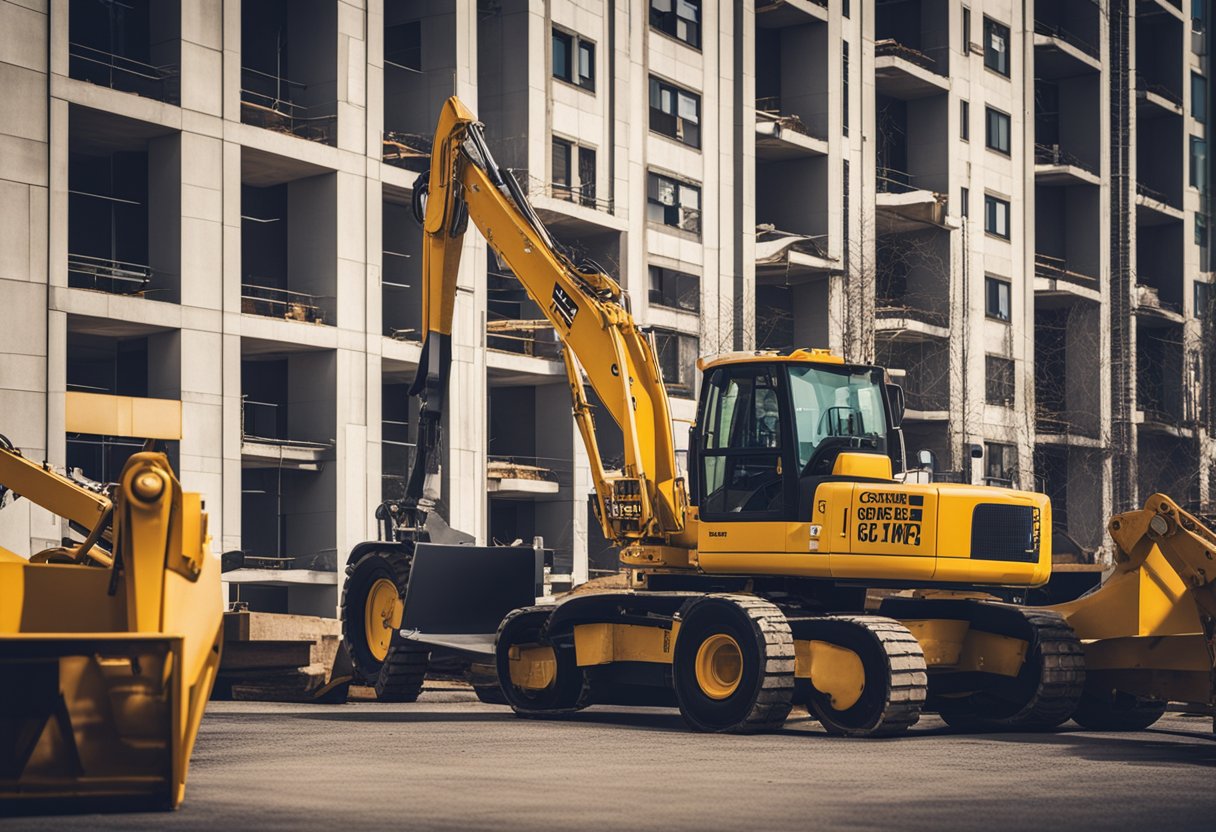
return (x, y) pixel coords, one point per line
(448, 762)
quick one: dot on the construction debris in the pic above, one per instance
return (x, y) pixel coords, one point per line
(272, 657)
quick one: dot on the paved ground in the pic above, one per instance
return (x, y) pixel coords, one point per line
(448, 762)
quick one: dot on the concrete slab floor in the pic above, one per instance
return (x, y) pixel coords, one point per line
(448, 762)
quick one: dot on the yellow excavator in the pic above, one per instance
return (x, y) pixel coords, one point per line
(745, 584)
(109, 643)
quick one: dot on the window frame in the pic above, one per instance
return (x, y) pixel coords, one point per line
(991, 281)
(994, 200)
(993, 116)
(673, 33)
(679, 184)
(1006, 394)
(965, 198)
(966, 22)
(1199, 97)
(991, 25)
(680, 122)
(684, 388)
(1197, 174)
(964, 119)
(574, 49)
(657, 296)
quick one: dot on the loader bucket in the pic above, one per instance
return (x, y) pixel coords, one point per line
(1150, 629)
(105, 670)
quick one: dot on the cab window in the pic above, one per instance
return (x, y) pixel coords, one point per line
(836, 402)
(741, 444)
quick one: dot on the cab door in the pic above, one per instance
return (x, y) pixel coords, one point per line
(743, 487)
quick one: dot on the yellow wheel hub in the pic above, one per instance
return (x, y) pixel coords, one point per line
(719, 666)
(380, 617)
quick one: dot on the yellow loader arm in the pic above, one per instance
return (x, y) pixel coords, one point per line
(586, 308)
(105, 667)
(1150, 629)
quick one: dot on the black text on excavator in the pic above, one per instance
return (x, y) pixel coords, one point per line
(746, 585)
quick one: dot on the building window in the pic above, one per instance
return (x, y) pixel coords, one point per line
(998, 380)
(1205, 299)
(1199, 163)
(1000, 464)
(586, 176)
(675, 112)
(677, 354)
(996, 46)
(675, 290)
(403, 45)
(966, 31)
(964, 120)
(1199, 14)
(1199, 97)
(965, 199)
(1201, 229)
(563, 183)
(996, 216)
(996, 299)
(573, 59)
(560, 180)
(844, 8)
(673, 203)
(997, 133)
(679, 18)
(844, 85)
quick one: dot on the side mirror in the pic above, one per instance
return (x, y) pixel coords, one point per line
(895, 395)
(926, 460)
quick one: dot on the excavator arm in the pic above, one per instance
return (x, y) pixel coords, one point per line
(646, 500)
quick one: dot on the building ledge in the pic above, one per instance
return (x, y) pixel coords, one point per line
(774, 14)
(1053, 287)
(570, 218)
(1153, 210)
(1060, 433)
(899, 212)
(1162, 424)
(1148, 304)
(1055, 57)
(1170, 9)
(280, 577)
(776, 140)
(1152, 102)
(1064, 174)
(911, 415)
(899, 77)
(907, 325)
(257, 452)
(791, 257)
(509, 369)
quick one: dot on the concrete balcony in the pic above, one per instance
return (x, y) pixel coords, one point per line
(894, 322)
(904, 205)
(1060, 53)
(1055, 166)
(1054, 279)
(791, 257)
(781, 137)
(906, 73)
(775, 14)
(1154, 207)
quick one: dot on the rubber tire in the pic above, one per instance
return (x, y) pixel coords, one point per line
(1041, 709)
(569, 691)
(1116, 711)
(399, 677)
(896, 676)
(764, 695)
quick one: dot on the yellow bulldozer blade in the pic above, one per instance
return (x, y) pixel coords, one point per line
(109, 648)
(1150, 629)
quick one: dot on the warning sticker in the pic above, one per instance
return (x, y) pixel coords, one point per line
(890, 518)
(563, 305)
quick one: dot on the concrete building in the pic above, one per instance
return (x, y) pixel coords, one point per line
(209, 200)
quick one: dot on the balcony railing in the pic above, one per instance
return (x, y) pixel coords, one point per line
(1143, 84)
(1058, 32)
(583, 195)
(1153, 194)
(411, 151)
(123, 74)
(892, 181)
(1056, 268)
(267, 101)
(534, 338)
(280, 303)
(1061, 423)
(106, 275)
(893, 48)
(1147, 297)
(896, 308)
(1052, 154)
(768, 110)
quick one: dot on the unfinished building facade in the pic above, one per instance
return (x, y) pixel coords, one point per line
(1003, 201)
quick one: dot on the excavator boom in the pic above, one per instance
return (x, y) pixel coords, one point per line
(646, 500)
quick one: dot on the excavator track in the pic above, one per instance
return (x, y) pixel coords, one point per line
(1043, 696)
(763, 697)
(889, 652)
